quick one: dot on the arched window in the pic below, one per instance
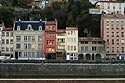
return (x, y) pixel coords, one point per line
(40, 28)
(29, 27)
(18, 28)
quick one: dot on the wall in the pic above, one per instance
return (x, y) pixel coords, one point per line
(61, 70)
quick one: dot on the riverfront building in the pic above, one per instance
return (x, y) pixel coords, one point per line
(71, 43)
(28, 39)
(113, 32)
(50, 39)
(7, 41)
(60, 43)
(91, 48)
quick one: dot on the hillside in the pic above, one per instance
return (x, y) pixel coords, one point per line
(73, 13)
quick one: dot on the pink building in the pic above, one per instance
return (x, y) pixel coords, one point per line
(113, 32)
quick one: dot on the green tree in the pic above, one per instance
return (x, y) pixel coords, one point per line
(6, 16)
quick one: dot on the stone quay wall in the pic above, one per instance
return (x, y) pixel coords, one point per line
(32, 70)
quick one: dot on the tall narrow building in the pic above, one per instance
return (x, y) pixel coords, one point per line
(50, 39)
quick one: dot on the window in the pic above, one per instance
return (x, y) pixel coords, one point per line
(117, 41)
(107, 34)
(112, 49)
(40, 28)
(11, 49)
(94, 48)
(7, 34)
(117, 34)
(122, 34)
(122, 49)
(25, 54)
(107, 20)
(68, 47)
(50, 42)
(18, 46)
(7, 49)
(3, 33)
(33, 54)
(11, 41)
(117, 49)
(112, 41)
(50, 49)
(39, 46)
(29, 46)
(122, 41)
(112, 26)
(61, 47)
(11, 34)
(112, 34)
(122, 27)
(18, 28)
(117, 28)
(112, 20)
(29, 27)
(74, 48)
(107, 41)
(40, 38)
(107, 26)
(71, 48)
(3, 41)
(117, 20)
(18, 38)
(3, 49)
(33, 38)
(29, 38)
(25, 46)
(33, 46)
(122, 20)
(25, 38)
(7, 41)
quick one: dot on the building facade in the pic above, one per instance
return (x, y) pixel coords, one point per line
(109, 7)
(60, 44)
(1, 28)
(7, 41)
(91, 48)
(113, 32)
(50, 39)
(28, 39)
(71, 43)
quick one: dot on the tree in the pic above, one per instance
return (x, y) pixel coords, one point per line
(70, 21)
(6, 16)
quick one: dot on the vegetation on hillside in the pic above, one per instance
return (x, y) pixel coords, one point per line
(73, 13)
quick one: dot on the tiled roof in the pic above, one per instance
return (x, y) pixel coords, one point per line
(90, 39)
(8, 29)
(61, 31)
(71, 28)
(114, 16)
(35, 25)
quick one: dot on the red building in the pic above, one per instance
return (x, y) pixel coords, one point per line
(50, 39)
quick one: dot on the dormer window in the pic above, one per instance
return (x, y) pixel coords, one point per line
(18, 28)
(40, 28)
(29, 27)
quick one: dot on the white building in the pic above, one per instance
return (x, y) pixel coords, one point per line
(28, 39)
(71, 43)
(108, 7)
(7, 41)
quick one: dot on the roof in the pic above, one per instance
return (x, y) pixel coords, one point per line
(114, 16)
(50, 22)
(71, 28)
(8, 29)
(61, 31)
(35, 24)
(90, 39)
